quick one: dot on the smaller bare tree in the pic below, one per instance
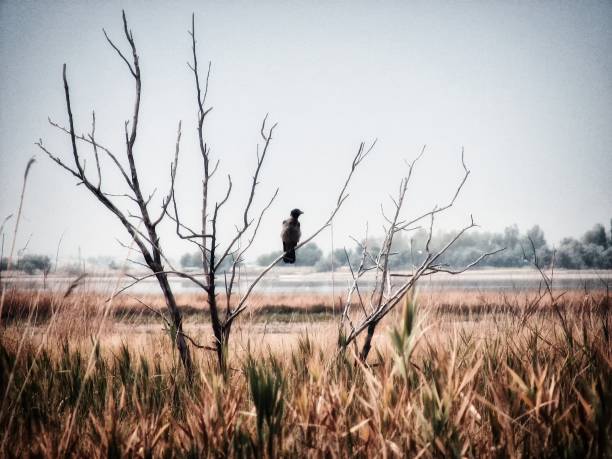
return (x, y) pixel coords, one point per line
(213, 256)
(368, 310)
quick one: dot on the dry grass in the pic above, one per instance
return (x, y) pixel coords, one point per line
(474, 375)
(18, 304)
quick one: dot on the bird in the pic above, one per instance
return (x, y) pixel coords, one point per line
(290, 235)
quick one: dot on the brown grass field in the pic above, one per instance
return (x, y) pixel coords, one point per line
(474, 375)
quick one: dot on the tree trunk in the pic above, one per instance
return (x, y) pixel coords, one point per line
(177, 322)
(220, 342)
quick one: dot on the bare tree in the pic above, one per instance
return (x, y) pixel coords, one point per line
(144, 232)
(370, 309)
(222, 312)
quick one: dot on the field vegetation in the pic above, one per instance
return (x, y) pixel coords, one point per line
(450, 375)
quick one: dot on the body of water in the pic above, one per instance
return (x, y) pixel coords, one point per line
(301, 280)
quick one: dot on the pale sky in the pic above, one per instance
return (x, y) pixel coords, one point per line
(525, 87)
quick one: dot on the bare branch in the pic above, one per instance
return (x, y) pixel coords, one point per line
(167, 322)
(245, 217)
(120, 195)
(238, 259)
(173, 167)
(357, 159)
(430, 232)
(136, 262)
(97, 145)
(75, 153)
(40, 145)
(451, 202)
(438, 269)
(196, 344)
(355, 286)
(227, 193)
(156, 274)
(202, 112)
(121, 55)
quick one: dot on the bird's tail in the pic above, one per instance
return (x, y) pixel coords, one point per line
(289, 256)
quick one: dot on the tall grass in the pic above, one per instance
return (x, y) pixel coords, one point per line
(503, 383)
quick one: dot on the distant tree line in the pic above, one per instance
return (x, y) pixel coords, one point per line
(592, 250)
(29, 264)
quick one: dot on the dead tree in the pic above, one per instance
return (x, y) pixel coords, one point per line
(368, 310)
(222, 312)
(142, 225)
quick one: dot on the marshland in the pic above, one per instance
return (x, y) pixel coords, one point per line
(454, 373)
(390, 238)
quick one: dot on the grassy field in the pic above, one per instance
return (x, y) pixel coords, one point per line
(453, 374)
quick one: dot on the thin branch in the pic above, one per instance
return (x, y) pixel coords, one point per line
(120, 195)
(173, 167)
(40, 145)
(245, 217)
(95, 147)
(238, 259)
(148, 276)
(437, 269)
(437, 210)
(120, 53)
(90, 140)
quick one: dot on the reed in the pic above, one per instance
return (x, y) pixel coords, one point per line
(442, 383)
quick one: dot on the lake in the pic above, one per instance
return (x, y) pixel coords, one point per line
(305, 280)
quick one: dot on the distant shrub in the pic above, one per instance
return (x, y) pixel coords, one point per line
(194, 260)
(191, 260)
(606, 257)
(339, 257)
(267, 258)
(569, 254)
(308, 255)
(596, 236)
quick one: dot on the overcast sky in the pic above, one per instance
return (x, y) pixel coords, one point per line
(525, 87)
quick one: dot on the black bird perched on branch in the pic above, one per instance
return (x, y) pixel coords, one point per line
(291, 235)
